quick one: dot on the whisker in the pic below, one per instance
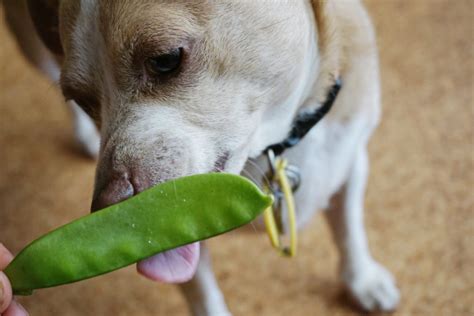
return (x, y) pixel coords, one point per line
(261, 172)
(254, 228)
(264, 93)
(249, 175)
(175, 191)
(275, 23)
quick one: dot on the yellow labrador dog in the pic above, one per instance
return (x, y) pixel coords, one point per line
(181, 87)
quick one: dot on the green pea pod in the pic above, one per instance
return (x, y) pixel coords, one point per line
(164, 217)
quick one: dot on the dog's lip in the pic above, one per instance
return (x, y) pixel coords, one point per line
(219, 164)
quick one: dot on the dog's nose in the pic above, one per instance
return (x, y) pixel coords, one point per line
(115, 191)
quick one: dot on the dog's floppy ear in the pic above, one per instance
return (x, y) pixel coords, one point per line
(329, 43)
(45, 16)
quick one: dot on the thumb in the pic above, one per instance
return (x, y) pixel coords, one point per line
(5, 292)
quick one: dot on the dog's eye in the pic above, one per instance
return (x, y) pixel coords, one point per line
(164, 64)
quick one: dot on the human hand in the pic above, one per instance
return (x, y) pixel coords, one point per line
(8, 306)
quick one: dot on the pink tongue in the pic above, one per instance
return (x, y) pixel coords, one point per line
(173, 266)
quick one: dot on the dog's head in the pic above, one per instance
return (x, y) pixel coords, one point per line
(181, 87)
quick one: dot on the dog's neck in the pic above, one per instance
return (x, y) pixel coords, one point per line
(302, 96)
(305, 121)
(315, 84)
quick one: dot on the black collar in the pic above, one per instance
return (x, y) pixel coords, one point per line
(304, 122)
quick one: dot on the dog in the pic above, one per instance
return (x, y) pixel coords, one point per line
(173, 88)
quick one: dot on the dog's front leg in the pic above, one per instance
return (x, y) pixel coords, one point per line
(369, 283)
(85, 131)
(202, 292)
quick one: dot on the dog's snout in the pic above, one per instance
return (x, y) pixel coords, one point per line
(129, 164)
(115, 191)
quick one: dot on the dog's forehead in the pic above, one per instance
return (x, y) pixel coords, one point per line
(120, 21)
(125, 23)
(94, 32)
(250, 38)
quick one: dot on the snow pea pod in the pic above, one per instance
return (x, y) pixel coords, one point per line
(164, 217)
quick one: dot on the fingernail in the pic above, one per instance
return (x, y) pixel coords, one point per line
(5, 293)
(5, 256)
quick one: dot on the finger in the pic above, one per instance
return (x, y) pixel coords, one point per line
(5, 293)
(5, 256)
(15, 309)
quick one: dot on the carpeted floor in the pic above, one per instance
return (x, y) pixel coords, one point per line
(420, 217)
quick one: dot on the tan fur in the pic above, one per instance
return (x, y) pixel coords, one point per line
(249, 68)
(330, 49)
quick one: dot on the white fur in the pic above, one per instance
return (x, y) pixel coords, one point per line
(332, 157)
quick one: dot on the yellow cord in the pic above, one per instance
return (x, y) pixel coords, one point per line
(269, 217)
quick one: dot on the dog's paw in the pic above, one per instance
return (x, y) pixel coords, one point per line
(373, 287)
(214, 306)
(220, 313)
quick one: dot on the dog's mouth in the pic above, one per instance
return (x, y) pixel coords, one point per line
(176, 265)
(173, 266)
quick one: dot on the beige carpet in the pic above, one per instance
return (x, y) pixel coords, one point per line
(420, 195)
